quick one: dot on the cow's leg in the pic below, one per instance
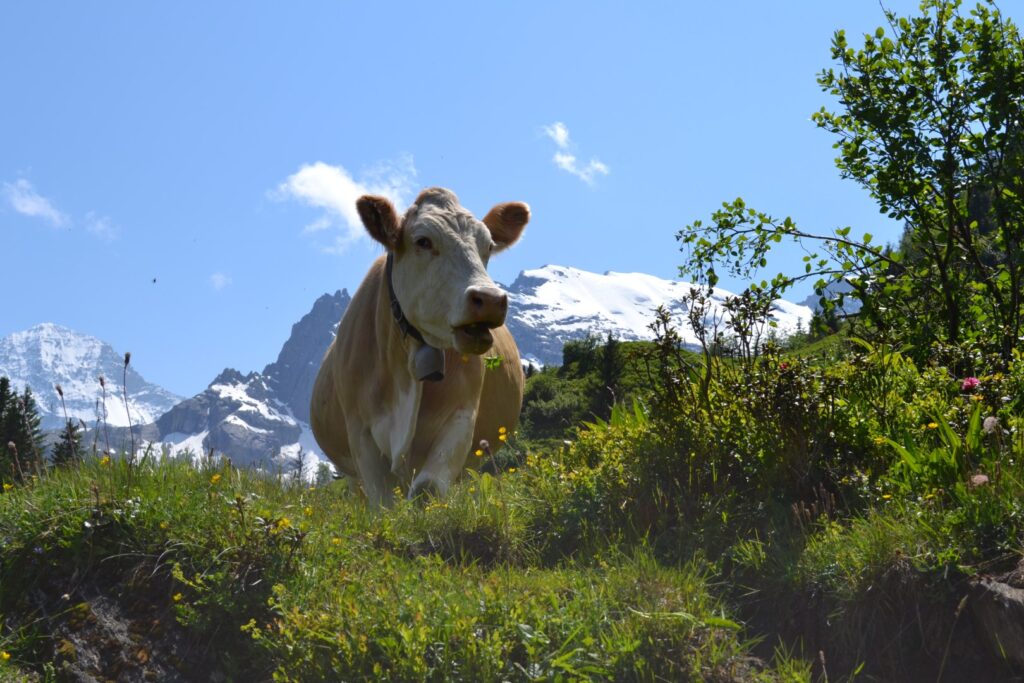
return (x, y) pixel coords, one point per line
(447, 456)
(374, 473)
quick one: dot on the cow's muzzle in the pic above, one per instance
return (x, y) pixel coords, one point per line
(485, 309)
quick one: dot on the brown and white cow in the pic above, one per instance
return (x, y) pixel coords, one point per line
(403, 395)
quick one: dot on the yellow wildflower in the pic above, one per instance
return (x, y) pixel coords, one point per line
(215, 479)
(479, 453)
(336, 541)
(5, 655)
(933, 425)
(879, 440)
(284, 523)
(886, 496)
(164, 525)
(502, 430)
(176, 597)
(8, 487)
(977, 397)
(511, 469)
(308, 511)
(105, 460)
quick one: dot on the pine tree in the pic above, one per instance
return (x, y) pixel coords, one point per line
(21, 427)
(6, 462)
(67, 450)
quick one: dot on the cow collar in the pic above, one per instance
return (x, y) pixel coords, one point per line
(429, 360)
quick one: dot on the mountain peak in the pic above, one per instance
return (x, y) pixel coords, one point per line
(48, 354)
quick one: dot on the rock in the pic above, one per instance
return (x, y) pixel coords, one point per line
(998, 612)
(291, 376)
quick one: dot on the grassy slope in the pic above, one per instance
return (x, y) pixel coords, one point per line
(228, 570)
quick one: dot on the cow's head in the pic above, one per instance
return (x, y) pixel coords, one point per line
(440, 254)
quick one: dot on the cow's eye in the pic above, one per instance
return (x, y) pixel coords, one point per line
(424, 243)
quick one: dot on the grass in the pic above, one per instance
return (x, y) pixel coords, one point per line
(258, 579)
(803, 519)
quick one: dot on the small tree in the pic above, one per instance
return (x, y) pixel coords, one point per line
(21, 427)
(930, 123)
(67, 450)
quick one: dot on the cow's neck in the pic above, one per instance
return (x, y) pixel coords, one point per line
(428, 363)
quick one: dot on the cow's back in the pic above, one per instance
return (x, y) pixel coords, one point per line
(345, 368)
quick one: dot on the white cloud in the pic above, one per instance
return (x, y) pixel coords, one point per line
(334, 190)
(219, 281)
(24, 199)
(558, 132)
(100, 226)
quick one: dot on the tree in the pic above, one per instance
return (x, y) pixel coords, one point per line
(20, 427)
(611, 369)
(67, 450)
(930, 123)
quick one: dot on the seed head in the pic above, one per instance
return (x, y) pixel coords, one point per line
(103, 382)
(60, 390)
(990, 425)
(12, 447)
(127, 358)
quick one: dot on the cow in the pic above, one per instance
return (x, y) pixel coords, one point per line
(404, 395)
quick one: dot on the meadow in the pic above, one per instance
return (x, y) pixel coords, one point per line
(846, 503)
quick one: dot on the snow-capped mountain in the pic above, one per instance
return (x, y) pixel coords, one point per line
(259, 419)
(48, 354)
(262, 418)
(555, 304)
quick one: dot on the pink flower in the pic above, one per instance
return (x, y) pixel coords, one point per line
(969, 384)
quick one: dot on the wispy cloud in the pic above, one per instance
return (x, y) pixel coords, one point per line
(334, 190)
(559, 133)
(24, 199)
(100, 226)
(219, 281)
(568, 162)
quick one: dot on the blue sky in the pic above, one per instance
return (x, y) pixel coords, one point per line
(175, 178)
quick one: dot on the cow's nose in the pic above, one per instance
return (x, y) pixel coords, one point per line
(487, 304)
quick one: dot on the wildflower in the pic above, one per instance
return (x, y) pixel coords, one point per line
(308, 511)
(479, 452)
(511, 469)
(502, 434)
(8, 487)
(284, 523)
(105, 460)
(990, 425)
(886, 496)
(977, 397)
(215, 479)
(969, 384)
(4, 656)
(176, 597)
(879, 440)
(336, 541)
(164, 525)
(932, 425)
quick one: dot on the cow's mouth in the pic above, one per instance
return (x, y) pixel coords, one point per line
(475, 338)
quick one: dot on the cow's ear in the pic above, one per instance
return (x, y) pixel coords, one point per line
(506, 222)
(379, 218)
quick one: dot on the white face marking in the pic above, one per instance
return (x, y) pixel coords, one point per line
(444, 251)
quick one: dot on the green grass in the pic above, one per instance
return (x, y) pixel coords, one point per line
(266, 579)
